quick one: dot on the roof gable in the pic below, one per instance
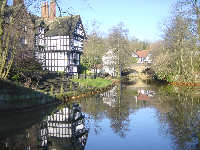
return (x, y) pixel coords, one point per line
(142, 53)
(61, 26)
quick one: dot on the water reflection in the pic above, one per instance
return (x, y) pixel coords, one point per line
(177, 114)
(144, 95)
(126, 117)
(110, 97)
(109, 104)
(64, 129)
(183, 118)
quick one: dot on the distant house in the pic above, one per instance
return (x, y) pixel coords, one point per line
(143, 56)
(59, 40)
(144, 95)
(108, 63)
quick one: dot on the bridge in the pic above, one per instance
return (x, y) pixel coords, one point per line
(139, 67)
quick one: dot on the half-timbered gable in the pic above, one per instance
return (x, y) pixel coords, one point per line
(59, 43)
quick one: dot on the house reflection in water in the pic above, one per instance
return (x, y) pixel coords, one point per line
(64, 130)
(110, 97)
(144, 95)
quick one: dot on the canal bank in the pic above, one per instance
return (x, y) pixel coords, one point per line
(16, 98)
(86, 88)
(176, 80)
(131, 114)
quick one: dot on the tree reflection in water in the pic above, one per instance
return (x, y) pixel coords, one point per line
(177, 110)
(109, 104)
(177, 114)
(64, 129)
(183, 118)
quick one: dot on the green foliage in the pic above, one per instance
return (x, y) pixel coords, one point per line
(60, 73)
(71, 86)
(61, 89)
(82, 67)
(51, 90)
(16, 77)
(26, 68)
(134, 60)
(168, 90)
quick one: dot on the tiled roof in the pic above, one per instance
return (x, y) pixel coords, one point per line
(143, 97)
(60, 25)
(142, 53)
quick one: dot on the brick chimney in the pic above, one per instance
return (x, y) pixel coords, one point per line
(45, 10)
(17, 2)
(52, 9)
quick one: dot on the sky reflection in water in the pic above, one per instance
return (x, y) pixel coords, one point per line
(127, 117)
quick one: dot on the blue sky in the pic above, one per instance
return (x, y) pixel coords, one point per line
(141, 17)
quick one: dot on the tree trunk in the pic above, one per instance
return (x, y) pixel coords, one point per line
(6, 47)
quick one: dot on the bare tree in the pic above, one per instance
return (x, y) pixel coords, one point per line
(190, 10)
(119, 44)
(6, 43)
(177, 58)
(94, 48)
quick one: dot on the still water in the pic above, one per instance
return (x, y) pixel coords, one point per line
(139, 116)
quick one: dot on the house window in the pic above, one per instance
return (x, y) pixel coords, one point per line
(75, 56)
(24, 41)
(75, 59)
(25, 28)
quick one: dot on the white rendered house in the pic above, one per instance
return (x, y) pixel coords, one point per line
(109, 63)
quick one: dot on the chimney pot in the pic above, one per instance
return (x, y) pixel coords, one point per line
(52, 9)
(17, 2)
(45, 10)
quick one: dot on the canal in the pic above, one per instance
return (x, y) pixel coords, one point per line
(139, 115)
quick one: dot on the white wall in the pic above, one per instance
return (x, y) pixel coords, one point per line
(108, 63)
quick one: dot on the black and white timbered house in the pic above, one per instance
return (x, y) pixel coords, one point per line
(59, 43)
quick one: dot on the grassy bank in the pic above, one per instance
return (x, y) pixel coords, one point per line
(95, 83)
(86, 88)
(20, 97)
